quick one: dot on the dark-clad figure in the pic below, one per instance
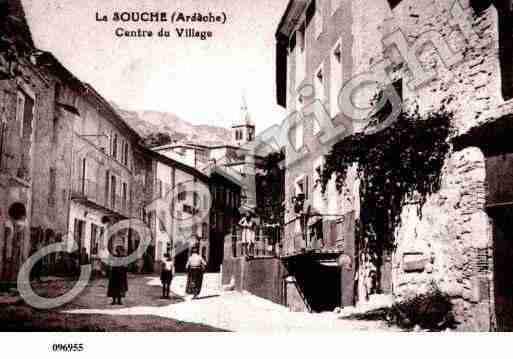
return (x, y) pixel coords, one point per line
(166, 275)
(118, 280)
(195, 267)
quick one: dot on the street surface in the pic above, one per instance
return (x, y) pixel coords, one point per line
(233, 311)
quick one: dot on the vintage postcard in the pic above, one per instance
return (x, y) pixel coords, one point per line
(269, 166)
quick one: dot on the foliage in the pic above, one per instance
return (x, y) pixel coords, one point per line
(432, 311)
(270, 184)
(401, 163)
(429, 311)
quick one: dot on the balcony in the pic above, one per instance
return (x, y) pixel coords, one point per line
(314, 242)
(265, 246)
(92, 193)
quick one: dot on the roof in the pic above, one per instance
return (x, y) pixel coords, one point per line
(52, 64)
(173, 163)
(13, 22)
(229, 175)
(290, 18)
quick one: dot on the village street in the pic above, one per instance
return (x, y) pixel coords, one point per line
(231, 311)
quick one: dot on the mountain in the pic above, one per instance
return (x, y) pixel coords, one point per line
(148, 123)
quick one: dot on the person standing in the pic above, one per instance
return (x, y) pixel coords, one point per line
(166, 275)
(118, 280)
(195, 268)
(248, 234)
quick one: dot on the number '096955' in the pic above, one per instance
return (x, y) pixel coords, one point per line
(68, 347)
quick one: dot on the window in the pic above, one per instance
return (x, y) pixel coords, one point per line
(107, 185)
(196, 200)
(94, 239)
(316, 232)
(125, 153)
(182, 193)
(83, 176)
(115, 146)
(506, 52)
(302, 186)
(24, 114)
(204, 231)
(319, 84)
(124, 196)
(113, 192)
(20, 110)
(52, 187)
(300, 54)
(336, 78)
(78, 232)
(3, 132)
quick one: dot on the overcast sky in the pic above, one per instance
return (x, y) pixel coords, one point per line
(200, 81)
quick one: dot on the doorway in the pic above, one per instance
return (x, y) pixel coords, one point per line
(319, 281)
(503, 268)
(181, 259)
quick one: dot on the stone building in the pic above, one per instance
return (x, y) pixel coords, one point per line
(460, 241)
(102, 172)
(21, 84)
(314, 48)
(71, 166)
(183, 220)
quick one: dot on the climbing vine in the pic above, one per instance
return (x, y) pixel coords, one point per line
(398, 164)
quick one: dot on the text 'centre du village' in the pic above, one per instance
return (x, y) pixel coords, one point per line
(163, 17)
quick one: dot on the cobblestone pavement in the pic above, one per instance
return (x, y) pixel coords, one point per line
(236, 311)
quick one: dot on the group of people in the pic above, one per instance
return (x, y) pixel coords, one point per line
(248, 225)
(196, 267)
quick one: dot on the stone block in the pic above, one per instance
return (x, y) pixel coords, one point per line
(414, 262)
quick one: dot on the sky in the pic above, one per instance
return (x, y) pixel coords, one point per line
(200, 81)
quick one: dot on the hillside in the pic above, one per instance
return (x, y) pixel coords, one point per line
(147, 123)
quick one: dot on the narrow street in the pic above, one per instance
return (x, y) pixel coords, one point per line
(233, 311)
(16, 315)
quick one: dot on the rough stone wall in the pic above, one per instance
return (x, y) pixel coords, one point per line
(442, 244)
(52, 151)
(36, 151)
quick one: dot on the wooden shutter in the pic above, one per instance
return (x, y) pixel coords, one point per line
(333, 234)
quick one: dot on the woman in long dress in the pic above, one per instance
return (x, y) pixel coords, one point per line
(195, 268)
(166, 275)
(118, 280)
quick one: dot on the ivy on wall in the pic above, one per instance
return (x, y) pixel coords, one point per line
(398, 164)
(270, 184)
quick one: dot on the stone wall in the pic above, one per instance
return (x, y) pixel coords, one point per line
(441, 241)
(441, 246)
(262, 277)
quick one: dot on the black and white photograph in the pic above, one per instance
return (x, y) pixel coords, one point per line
(255, 166)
